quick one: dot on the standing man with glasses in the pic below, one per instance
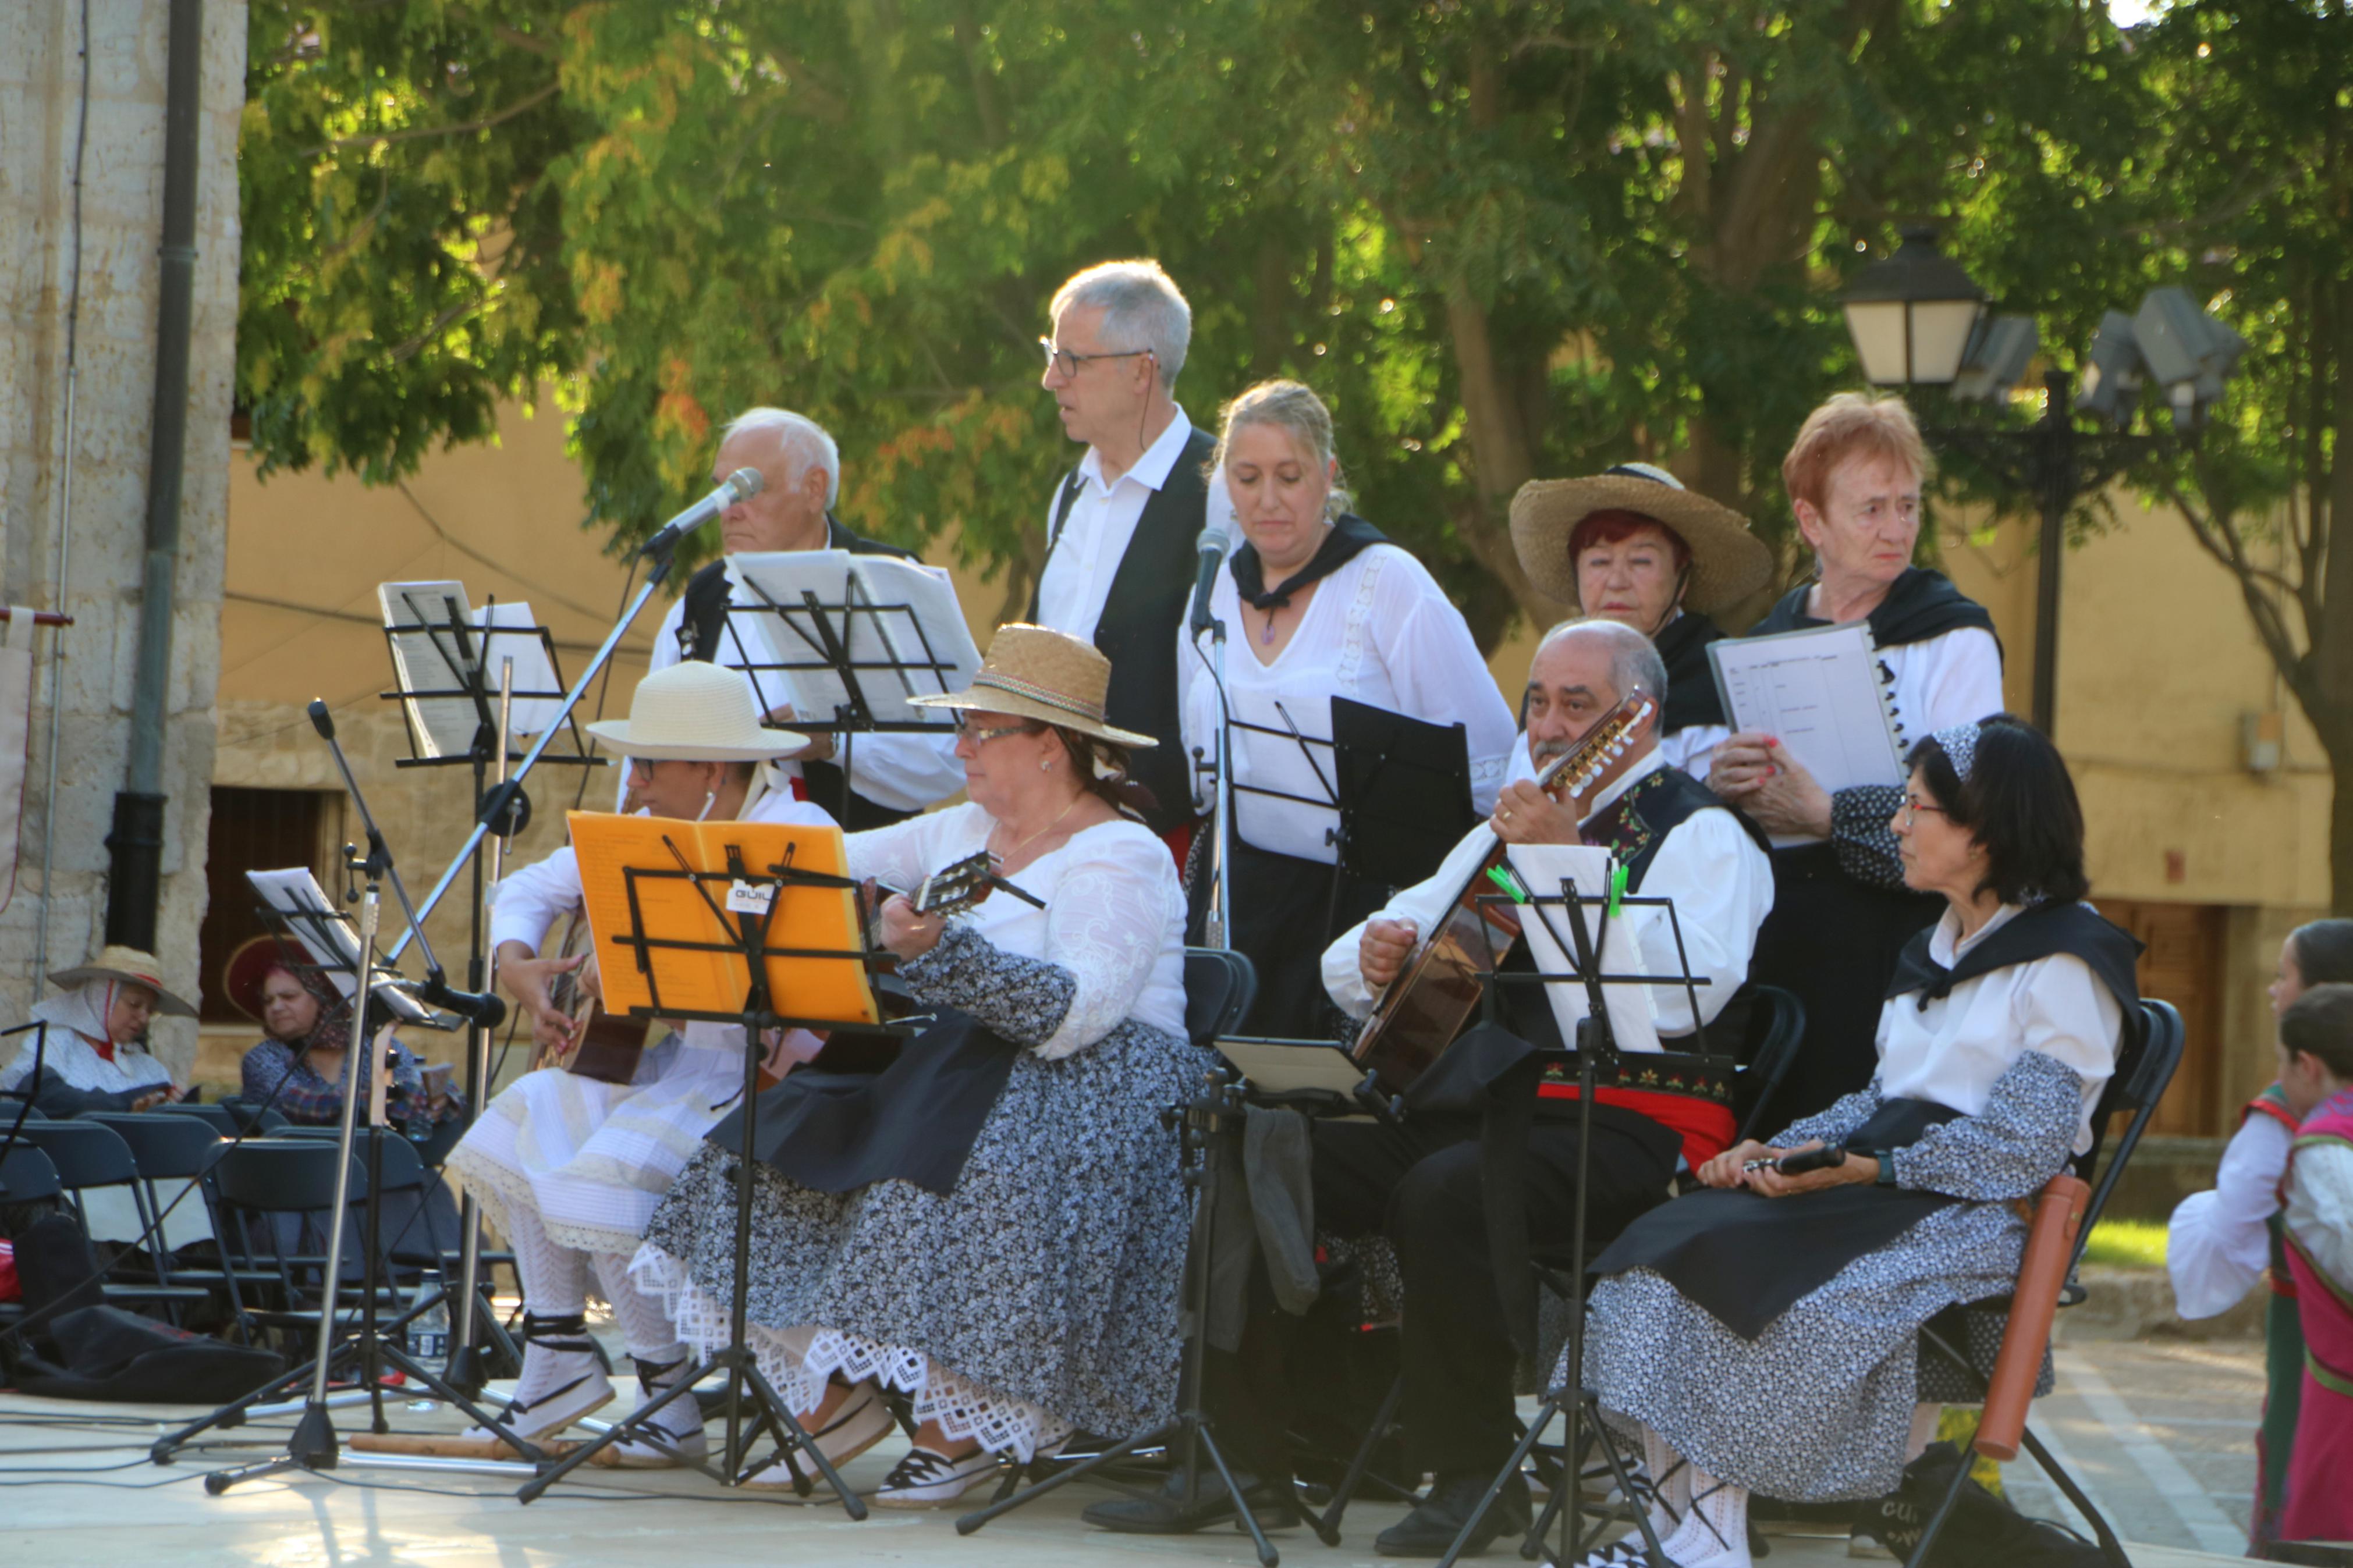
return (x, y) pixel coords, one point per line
(1122, 530)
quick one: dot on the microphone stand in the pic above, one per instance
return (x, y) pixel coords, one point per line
(1217, 926)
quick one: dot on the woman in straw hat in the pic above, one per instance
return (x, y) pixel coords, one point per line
(299, 1066)
(1004, 1245)
(1321, 607)
(94, 1055)
(572, 1166)
(1630, 544)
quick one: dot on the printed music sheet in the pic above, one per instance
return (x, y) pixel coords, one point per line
(1819, 692)
(670, 908)
(419, 619)
(313, 919)
(898, 620)
(1542, 867)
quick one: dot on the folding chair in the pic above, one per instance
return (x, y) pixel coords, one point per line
(217, 1117)
(1219, 985)
(26, 1176)
(89, 1158)
(2065, 1212)
(171, 1149)
(1777, 1022)
(258, 1184)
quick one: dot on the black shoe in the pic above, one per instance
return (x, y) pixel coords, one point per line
(1165, 1511)
(1434, 1523)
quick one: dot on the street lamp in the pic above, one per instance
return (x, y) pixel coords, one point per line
(1917, 320)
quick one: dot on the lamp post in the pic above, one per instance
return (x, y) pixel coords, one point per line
(1918, 319)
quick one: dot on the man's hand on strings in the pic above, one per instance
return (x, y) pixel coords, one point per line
(1755, 772)
(1525, 815)
(1383, 949)
(907, 933)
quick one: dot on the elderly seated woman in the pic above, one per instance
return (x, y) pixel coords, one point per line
(94, 1055)
(994, 1224)
(1764, 1335)
(299, 1068)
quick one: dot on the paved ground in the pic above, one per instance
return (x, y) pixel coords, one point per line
(2162, 1432)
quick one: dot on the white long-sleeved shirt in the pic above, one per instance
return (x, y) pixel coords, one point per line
(1085, 556)
(2320, 1209)
(902, 769)
(2218, 1243)
(1380, 631)
(1720, 881)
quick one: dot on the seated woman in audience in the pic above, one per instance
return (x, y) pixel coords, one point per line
(2221, 1242)
(95, 1056)
(1765, 1335)
(993, 1225)
(1321, 606)
(298, 1069)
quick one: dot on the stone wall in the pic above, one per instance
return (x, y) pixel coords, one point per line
(58, 912)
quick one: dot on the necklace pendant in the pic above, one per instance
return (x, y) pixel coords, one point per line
(1266, 637)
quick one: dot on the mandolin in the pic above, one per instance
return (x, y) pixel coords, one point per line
(1426, 1006)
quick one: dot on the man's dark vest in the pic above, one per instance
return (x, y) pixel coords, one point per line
(703, 619)
(1137, 632)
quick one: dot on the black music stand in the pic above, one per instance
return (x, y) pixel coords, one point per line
(437, 631)
(1403, 792)
(1597, 1044)
(749, 933)
(839, 639)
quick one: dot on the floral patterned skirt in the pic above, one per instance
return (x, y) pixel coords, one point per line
(1040, 1293)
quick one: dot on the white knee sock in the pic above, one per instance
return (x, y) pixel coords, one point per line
(554, 1278)
(644, 1329)
(1924, 1430)
(1716, 1532)
(1670, 1482)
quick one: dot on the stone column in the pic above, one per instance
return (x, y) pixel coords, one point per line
(62, 905)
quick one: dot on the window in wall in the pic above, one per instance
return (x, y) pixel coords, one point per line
(254, 830)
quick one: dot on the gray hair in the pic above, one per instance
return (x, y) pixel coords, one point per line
(799, 437)
(1292, 407)
(1142, 307)
(1634, 663)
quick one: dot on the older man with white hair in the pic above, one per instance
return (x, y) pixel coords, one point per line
(1120, 535)
(891, 776)
(1426, 1181)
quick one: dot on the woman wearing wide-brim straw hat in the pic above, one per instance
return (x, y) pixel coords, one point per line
(95, 1056)
(1632, 544)
(569, 1165)
(994, 1224)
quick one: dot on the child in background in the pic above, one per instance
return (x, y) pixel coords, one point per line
(2316, 1055)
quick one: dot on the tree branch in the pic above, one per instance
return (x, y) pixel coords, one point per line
(420, 133)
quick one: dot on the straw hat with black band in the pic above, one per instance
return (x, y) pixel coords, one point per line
(1035, 672)
(1727, 562)
(125, 963)
(695, 713)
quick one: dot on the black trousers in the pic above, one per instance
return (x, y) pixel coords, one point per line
(1419, 1183)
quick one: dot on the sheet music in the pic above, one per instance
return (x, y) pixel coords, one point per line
(312, 919)
(1818, 691)
(1280, 1067)
(1542, 867)
(428, 658)
(882, 639)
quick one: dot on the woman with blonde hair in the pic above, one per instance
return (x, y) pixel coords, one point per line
(1321, 606)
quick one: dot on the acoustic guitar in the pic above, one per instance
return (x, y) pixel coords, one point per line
(1424, 1009)
(607, 1047)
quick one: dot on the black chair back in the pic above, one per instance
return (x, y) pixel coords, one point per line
(167, 1148)
(253, 1115)
(1777, 1022)
(85, 1153)
(26, 1176)
(281, 1175)
(1219, 985)
(221, 1120)
(2147, 1060)
(11, 1109)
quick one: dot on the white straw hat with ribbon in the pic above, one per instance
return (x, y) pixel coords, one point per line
(695, 713)
(116, 962)
(1727, 562)
(1035, 672)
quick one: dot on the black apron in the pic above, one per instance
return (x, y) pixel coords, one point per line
(1285, 914)
(916, 1120)
(1748, 1258)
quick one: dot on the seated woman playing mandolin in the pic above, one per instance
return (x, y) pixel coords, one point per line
(1595, 692)
(1765, 1335)
(994, 1224)
(570, 1164)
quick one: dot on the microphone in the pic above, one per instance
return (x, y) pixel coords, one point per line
(486, 1008)
(743, 482)
(321, 720)
(1215, 543)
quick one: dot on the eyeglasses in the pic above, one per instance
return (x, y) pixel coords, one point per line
(982, 737)
(1911, 808)
(1062, 359)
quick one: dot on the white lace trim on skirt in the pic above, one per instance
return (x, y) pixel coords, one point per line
(799, 1362)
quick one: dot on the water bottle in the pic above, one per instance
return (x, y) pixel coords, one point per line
(429, 1337)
